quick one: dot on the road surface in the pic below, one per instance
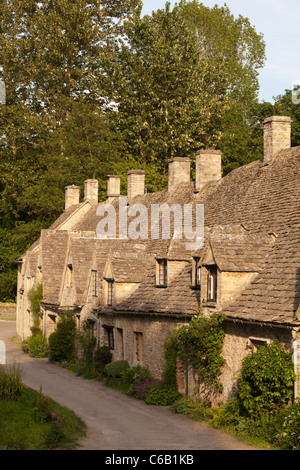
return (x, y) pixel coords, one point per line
(114, 421)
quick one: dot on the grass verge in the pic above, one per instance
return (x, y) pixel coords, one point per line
(31, 421)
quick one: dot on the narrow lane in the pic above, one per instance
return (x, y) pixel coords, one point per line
(114, 421)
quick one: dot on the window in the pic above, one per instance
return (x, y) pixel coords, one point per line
(69, 275)
(110, 292)
(161, 274)
(211, 283)
(196, 273)
(138, 344)
(94, 283)
(109, 337)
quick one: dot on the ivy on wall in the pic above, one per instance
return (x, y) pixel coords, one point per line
(201, 343)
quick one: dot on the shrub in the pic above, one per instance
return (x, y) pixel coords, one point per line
(114, 369)
(11, 386)
(36, 346)
(162, 395)
(62, 341)
(289, 436)
(266, 381)
(141, 389)
(135, 374)
(102, 356)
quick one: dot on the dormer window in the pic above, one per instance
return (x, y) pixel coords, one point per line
(211, 283)
(161, 273)
(94, 283)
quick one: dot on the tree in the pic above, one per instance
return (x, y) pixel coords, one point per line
(54, 126)
(178, 74)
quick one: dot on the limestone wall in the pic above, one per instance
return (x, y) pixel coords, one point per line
(7, 311)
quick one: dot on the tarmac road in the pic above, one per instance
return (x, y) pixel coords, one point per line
(114, 421)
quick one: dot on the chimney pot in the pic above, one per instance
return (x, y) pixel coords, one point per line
(113, 187)
(179, 171)
(72, 195)
(208, 167)
(136, 183)
(91, 190)
(277, 136)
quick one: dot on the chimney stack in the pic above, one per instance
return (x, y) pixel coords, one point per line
(179, 171)
(208, 167)
(136, 183)
(113, 187)
(72, 195)
(277, 136)
(91, 191)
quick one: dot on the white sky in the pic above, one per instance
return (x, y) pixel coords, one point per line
(279, 22)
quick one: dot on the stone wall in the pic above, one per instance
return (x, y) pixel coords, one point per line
(240, 340)
(153, 332)
(7, 311)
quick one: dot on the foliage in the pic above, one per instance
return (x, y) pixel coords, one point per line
(289, 435)
(102, 356)
(11, 386)
(161, 395)
(266, 381)
(86, 343)
(35, 422)
(201, 342)
(36, 345)
(53, 58)
(62, 341)
(170, 356)
(35, 296)
(176, 75)
(141, 388)
(194, 409)
(133, 375)
(115, 368)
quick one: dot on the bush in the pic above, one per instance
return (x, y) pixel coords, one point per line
(289, 436)
(62, 341)
(36, 346)
(135, 374)
(141, 389)
(114, 369)
(162, 395)
(102, 357)
(267, 380)
(11, 386)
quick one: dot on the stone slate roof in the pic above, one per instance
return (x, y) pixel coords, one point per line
(252, 220)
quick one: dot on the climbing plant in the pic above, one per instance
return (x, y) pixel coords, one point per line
(201, 343)
(35, 296)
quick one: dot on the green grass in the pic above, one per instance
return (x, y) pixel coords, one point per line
(36, 422)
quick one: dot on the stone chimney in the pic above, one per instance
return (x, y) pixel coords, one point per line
(91, 191)
(113, 187)
(277, 136)
(72, 195)
(179, 171)
(136, 183)
(208, 167)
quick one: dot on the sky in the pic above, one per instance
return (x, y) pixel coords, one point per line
(279, 22)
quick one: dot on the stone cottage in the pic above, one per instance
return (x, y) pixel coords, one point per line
(135, 290)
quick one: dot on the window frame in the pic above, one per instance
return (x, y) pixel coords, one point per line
(95, 283)
(109, 336)
(212, 283)
(161, 272)
(110, 292)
